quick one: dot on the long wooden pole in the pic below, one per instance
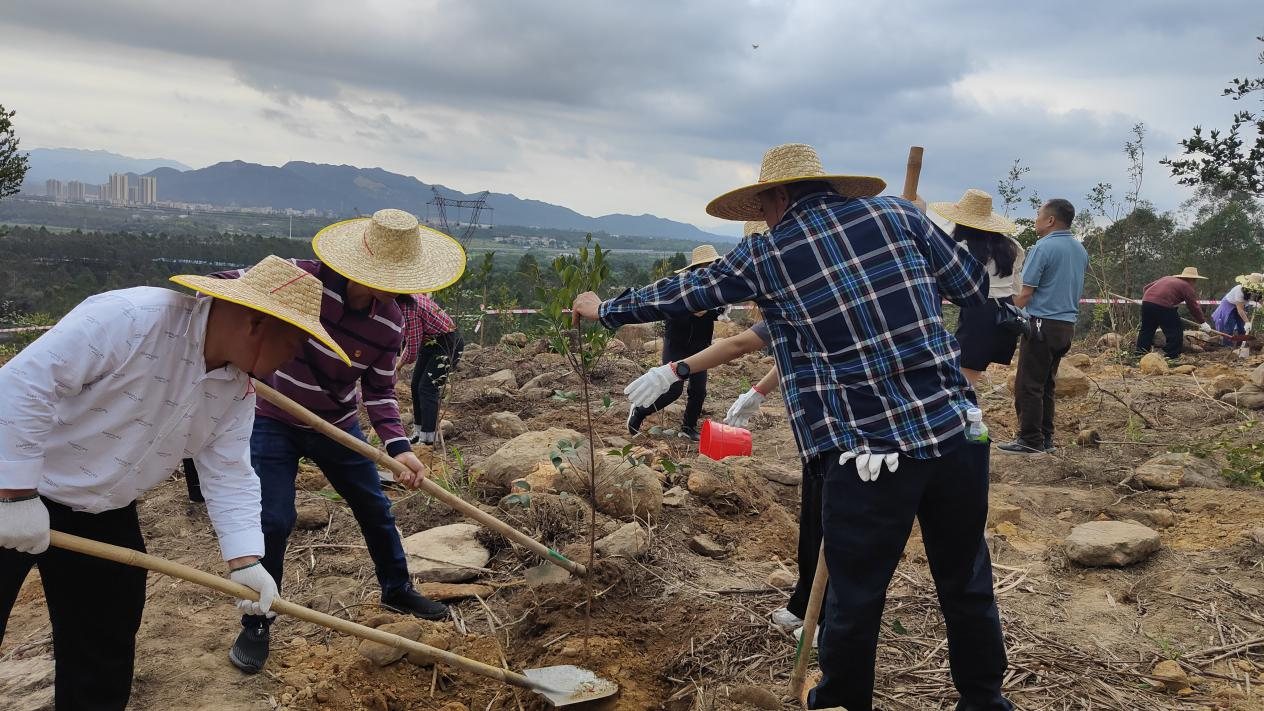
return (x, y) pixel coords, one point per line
(464, 507)
(804, 651)
(127, 556)
(1213, 331)
(912, 172)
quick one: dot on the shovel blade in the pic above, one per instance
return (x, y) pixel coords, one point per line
(568, 684)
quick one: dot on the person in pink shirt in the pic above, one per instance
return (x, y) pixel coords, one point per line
(1158, 310)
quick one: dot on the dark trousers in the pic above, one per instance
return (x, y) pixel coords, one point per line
(1167, 318)
(95, 607)
(866, 526)
(809, 539)
(275, 449)
(1034, 384)
(435, 360)
(697, 394)
(192, 482)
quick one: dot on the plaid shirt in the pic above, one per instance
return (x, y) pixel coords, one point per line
(850, 288)
(423, 320)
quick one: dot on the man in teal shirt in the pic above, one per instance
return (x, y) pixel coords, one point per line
(1053, 280)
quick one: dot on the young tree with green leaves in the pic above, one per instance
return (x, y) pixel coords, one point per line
(13, 164)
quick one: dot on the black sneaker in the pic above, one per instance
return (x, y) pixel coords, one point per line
(1017, 447)
(690, 433)
(635, 418)
(414, 603)
(250, 651)
(1049, 445)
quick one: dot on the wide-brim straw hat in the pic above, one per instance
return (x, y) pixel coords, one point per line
(277, 288)
(782, 165)
(391, 252)
(702, 254)
(1189, 273)
(974, 209)
(754, 227)
(1253, 281)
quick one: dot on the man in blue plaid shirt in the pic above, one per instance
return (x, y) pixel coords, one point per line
(850, 285)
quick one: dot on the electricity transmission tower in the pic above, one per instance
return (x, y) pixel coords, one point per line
(476, 207)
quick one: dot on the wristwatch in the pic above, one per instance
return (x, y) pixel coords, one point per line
(682, 369)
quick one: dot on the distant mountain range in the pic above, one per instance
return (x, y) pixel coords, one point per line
(92, 167)
(345, 190)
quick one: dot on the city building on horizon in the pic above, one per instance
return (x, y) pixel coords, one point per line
(76, 191)
(118, 188)
(147, 190)
(54, 189)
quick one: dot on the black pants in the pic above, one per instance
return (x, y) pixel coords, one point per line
(809, 538)
(1167, 318)
(1035, 383)
(192, 482)
(693, 405)
(866, 526)
(435, 360)
(95, 606)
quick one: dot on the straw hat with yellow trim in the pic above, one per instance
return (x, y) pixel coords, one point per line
(702, 254)
(277, 288)
(1189, 273)
(391, 252)
(754, 227)
(782, 165)
(1251, 282)
(974, 209)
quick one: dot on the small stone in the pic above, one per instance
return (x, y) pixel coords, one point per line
(453, 591)
(703, 483)
(434, 638)
(1245, 399)
(332, 593)
(1065, 515)
(614, 345)
(515, 339)
(1258, 536)
(628, 541)
(1163, 477)
(505, 425)
(1109, 341)
(675, 497)
(546, 574)
(1153, 364)
(782, 579)
(384, 654)
(1088, 438)
(454, 706)
(755, 696)
(1257, 376)
(704, 544)
(1000, 512)
(1159, 518)
(1183, 369)
(1079, 360)
(1006, 528)
(311, 516)
(652, 346)
(1224, 384)
(1170, 675)
(447, 428)
(1111, 543)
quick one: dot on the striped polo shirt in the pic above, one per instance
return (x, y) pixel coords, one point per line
(318, 379)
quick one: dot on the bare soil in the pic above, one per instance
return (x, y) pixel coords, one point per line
(679, 631)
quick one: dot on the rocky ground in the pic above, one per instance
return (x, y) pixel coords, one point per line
(1128, 566)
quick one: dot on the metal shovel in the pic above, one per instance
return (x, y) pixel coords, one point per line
(560, 685)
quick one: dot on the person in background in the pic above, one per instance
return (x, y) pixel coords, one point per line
(987, 235)
(683, 336)
(850, 285)
(94, 414)
(1053, 281)
(1233, 315)
(434, 343)
(1158, 310)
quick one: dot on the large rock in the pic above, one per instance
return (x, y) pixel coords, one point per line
(544, 380)
(704, 544)
(770, 470)
(1079, 360)
(629, 541)
(384, 654)
(1153, 364)
(1224, 384)
(653, 346)
(1174, 470)
(446, 554)
(27, 684)
(1257, 376)
(519, 456)
(516, 339)
(1249, 400)
(1070, 382)
(1111, 543)
(502, 381)
(505, 425)
(624, 490)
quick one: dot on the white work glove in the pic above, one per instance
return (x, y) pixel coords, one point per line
(869, 466)
(649, 387)
(1204, 327)
(1246, 328)
(24, 526)
(256, 577)
(744, 408)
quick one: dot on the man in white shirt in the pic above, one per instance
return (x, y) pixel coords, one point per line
(101, 409)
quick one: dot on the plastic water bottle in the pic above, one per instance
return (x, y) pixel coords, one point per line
(976, 431)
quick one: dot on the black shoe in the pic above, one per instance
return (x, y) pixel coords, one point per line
(250, 651)
(690, 433)
(1017, 447)
(414, 603)
(1049, 445)
(635, 418)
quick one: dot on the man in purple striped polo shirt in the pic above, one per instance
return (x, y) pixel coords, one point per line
(366, 267)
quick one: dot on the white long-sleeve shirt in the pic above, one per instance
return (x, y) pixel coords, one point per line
(1000, 287)
(102, 408)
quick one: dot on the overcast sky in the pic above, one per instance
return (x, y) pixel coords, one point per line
(633, 106)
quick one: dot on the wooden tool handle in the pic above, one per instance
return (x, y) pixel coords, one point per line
(382, 458)
(804, 651)
(912, 172)
(128, 556)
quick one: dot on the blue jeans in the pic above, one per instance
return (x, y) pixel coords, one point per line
(866, 525)
(275, 449)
